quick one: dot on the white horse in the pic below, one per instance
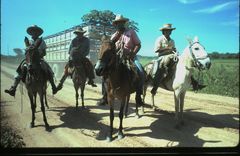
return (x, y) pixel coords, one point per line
(178, 80)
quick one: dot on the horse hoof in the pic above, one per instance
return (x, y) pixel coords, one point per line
(47, 128)
(31, 125)
(137, 116)
(120, 136)
(109, 139)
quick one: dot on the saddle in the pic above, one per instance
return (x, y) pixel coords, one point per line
(167, 64)
(130, 68)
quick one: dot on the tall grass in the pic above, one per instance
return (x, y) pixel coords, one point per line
(222, 78)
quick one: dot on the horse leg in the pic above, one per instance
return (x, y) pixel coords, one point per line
(126, 106)
(46, 103)
(35, 102)
(153, 103)
(182, 96)
(43, 111)
(136, 110)
(32, 108)
(144, 95)
(120, 133)
(177, 101)
(111, 104)
(82, 94)
(76, 95)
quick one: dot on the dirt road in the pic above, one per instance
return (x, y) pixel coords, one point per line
(210, 120)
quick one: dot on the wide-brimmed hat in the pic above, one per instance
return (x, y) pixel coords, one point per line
(79, 30)
(119, 18)
(34, 28)
(167, 27)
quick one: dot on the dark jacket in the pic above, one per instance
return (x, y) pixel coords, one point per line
(79, 48)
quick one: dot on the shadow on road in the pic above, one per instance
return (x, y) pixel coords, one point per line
(186, 136)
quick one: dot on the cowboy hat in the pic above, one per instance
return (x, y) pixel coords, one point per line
(36, 29)
(79, 30)
(167, 27)
(119, 18)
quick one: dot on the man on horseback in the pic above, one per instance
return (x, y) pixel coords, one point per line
(78, 50)
(164, 46)
(127, 40)
(40, 46)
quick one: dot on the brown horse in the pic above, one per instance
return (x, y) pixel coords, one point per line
(118, 79)
(79, 81)
(36, 81)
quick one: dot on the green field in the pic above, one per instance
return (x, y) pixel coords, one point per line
(221, 79)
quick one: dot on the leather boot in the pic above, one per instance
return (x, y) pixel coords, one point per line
(13, 88)
(54, 88)
(91, 82)
(60, 85)
(156, 81)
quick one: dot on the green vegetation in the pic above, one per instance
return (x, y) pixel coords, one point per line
(10, 138)
(222, 78)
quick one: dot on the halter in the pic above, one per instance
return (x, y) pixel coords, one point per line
(196, 60)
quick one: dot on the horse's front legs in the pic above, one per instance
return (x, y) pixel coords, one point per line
(177, 102)
(43, 111)
(76, 96)
(111, 104)
(126, 105)
(33, 108)
(182, 96)
(120, 133)
(82, 94)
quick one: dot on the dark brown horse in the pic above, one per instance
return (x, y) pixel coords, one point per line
(35, 81)
(79, 81)
(119, 80)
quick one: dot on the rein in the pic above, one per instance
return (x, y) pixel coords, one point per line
(196, 60)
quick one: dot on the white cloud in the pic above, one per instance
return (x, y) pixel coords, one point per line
(217, 8)
(189, 1)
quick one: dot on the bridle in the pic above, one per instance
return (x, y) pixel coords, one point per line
(196, 61)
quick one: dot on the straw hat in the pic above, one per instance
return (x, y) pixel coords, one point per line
(119, 18)
(167, 27)
(34, 29)
(79, 30)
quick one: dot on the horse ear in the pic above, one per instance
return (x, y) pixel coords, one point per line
(195, 39)
(189, 40)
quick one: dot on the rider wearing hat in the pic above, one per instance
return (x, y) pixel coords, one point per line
(35, 32)
(165, 45)
(127, 40)
(78, 50)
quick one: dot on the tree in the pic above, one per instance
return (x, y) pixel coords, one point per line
(104, 19)
(18, 51)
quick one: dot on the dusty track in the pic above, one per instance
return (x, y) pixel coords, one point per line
(210, 120)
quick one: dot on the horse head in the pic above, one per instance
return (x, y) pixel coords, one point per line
(32, 53)
(105, 57)
(198, 54)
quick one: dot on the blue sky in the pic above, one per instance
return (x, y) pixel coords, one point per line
(215, 22)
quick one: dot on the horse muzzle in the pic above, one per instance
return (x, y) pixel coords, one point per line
(99, 68)
(205, 63)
